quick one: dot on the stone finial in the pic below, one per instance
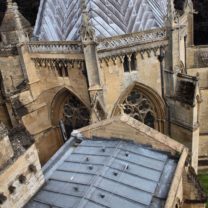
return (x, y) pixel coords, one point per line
(87, 32)
(170, 12)
(3, 130)
(9, 3)
(18, 25)
(83, 5)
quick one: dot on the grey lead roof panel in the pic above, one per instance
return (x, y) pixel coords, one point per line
(60, 20)
(108, 173)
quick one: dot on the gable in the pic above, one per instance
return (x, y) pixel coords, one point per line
(125, 127)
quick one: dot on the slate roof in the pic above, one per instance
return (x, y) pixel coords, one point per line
(108, 173)
(61, 19)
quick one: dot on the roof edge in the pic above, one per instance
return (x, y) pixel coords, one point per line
(176, 179)
(58, 158)
(144, 129)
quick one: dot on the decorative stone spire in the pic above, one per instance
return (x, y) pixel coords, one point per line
(9, 4)
(14, 26)
(87, 32)
(170, 13)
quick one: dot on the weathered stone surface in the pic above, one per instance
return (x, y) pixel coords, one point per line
(6, 151)
(10, 176)
(38, 78)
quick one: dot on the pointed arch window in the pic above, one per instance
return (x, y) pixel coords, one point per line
(133, 62)
(69, 110)
(143, 104)
(62, 69)
(126, 64)
(76, 115)
(140, 108)
(130, 63)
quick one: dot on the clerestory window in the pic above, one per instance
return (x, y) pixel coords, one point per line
(61, 69)
(130, 63)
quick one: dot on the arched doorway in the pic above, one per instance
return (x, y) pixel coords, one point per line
(68, 109)
(143, 104)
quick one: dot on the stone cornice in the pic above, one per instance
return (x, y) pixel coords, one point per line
(53, 63)
(55, 47)
(148, 50)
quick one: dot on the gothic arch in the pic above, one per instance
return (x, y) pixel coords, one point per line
(69, 108)
(144, 104)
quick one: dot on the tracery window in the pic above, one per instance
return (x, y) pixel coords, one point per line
(76, 114)
(133, 62)
(138, 106)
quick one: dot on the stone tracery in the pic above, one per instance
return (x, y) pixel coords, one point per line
(143, 104)
(75, 114)
(69, 111)
(139, 107)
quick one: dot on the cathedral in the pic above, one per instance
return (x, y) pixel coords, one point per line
(76, 75)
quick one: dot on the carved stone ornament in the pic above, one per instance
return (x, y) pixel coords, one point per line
(87, 32)
(54, 47)
(53, 63)
(132, 39)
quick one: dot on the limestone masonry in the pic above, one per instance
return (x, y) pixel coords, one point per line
(131, 70)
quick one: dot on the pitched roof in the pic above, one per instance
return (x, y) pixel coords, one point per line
(124, 126)
(107, 173)
(61, 20)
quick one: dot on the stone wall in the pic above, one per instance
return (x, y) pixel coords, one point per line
(20, 180)
(201, 71)
(116, 80)
(12, 75)
(33, 106)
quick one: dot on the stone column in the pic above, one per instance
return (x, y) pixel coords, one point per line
(92, 62)
(90, 52)
(172, 52)
(189, 10)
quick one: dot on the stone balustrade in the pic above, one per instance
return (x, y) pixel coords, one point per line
(103, 44)
(132, 39)
(54, 47)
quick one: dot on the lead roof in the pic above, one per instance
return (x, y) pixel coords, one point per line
(60, 20)
(108, 173)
